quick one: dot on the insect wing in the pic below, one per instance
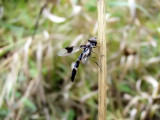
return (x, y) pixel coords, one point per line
(67, 51)
(85, 59)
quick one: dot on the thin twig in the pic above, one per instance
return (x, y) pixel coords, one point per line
(37, 21)
(102, 72)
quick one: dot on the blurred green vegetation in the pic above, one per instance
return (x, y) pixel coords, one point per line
(35, 82)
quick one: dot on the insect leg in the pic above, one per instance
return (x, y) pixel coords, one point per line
(95, 58)
(97, 53)
(83, 46)
(95, 62)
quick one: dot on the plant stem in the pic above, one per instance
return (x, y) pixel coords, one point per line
(102, 71)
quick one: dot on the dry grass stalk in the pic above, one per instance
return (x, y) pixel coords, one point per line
(102, 72)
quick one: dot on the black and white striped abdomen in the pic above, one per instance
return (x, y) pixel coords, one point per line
(74, 71)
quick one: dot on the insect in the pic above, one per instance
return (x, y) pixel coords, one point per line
(84, 56)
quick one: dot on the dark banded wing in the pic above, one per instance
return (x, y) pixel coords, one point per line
(67, 51)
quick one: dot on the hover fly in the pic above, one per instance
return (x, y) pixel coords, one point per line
(84, 57)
